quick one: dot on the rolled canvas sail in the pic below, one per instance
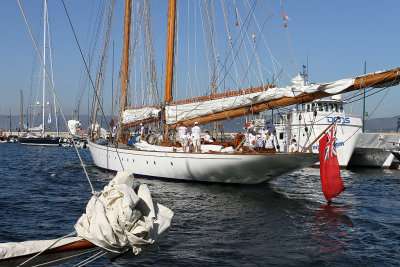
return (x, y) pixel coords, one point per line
(140, 114)
(175, 113)
(190, 110)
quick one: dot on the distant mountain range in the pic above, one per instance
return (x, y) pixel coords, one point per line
(382, 124)
(234, 125)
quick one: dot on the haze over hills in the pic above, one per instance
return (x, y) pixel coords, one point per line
(235, 125)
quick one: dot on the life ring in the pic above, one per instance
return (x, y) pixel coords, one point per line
(238, 139)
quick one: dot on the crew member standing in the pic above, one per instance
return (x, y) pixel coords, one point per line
(196, 132)
(183, 136)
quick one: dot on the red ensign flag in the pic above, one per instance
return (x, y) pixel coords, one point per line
(331, 182)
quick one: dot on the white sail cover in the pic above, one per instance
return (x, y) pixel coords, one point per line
(136, 115)
(175, 113)
(37, 128)
(119, 218)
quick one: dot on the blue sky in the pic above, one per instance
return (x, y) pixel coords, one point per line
(338, 36)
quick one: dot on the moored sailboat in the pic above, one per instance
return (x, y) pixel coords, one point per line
(234, 165)
(42, 139)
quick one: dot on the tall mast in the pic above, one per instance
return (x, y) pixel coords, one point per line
(44, 61)
(21, 109)
(363, 115)
(169, 72)
(125, 65)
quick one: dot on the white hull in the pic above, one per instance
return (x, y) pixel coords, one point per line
(305, 127)
(201, 167)
(373, 150)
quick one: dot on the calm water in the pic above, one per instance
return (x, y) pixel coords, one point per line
(43, 192)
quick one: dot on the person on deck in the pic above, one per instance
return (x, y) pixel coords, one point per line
(252, 140)
(196, 132)
(294, 147)
(189, 137)
(259, 141)
(183, 136)
(207, 137)
(141, 131)
(269, 141)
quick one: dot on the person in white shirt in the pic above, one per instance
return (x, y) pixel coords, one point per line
(252, 140)
(183, 138)
(294, 147)
(207, 137)
(189, 137)
(141, 130)
(259, 141)
(196, 132)
(269, 141)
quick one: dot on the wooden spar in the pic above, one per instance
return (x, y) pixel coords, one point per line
(169, 72)
(324, 131)
(365, 81)
(136, 123)
(125, 65)
(79, 245)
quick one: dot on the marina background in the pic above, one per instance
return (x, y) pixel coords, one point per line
(388, 124)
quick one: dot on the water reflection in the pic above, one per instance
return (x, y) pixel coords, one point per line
(331, 230)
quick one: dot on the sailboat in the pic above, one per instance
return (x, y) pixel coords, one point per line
(42, 139)
(227, 162)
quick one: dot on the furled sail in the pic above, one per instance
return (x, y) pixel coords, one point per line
(175, 113)
(140, 114)
(243, 102)
(120, 218)
(272, 97)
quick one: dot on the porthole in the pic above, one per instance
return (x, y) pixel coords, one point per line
(154, 163)
(147, 162)
(172, 164)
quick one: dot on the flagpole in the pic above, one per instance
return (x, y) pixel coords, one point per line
(319, 136)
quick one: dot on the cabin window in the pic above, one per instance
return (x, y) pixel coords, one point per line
(303, 107)
(313, 106)
(320, 107)
(326, 107)
(281, 136)
(341, 108)
(336, 108)
(308, 108)
(330, 107)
